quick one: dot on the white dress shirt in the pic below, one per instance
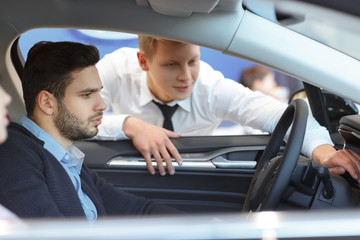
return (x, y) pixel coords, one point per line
(214, 98)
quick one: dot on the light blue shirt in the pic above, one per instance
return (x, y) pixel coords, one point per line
(71, 161)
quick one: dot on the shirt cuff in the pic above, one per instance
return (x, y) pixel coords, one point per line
(111, 128)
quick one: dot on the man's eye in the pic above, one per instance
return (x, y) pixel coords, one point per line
(86, 94)
(193, 62)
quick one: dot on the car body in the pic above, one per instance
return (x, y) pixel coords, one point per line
(295, 37)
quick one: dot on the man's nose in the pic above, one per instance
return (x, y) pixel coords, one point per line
(100, 105)
(5, 96)
(185, 74)
(7, 99)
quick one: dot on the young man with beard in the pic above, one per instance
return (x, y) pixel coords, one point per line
(167, 72)
(41, 171)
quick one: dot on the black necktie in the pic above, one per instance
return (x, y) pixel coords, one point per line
(167, 112)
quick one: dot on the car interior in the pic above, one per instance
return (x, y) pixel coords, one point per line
(226, 174)
(222, 174)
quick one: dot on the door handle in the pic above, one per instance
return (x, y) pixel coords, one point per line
(221, 162)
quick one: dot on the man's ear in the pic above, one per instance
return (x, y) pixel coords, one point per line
(142, 61)
(46, 102)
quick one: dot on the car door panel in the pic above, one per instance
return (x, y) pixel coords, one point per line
(215, 176)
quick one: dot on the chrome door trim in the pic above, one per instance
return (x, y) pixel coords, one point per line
(209, 160)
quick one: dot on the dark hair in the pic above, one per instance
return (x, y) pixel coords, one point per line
(249, 75)
(49, 67)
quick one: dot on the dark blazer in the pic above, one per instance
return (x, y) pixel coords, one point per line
(34, 184)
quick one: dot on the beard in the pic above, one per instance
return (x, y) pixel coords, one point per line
(72, 127)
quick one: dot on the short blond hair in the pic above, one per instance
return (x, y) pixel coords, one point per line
(148, 44)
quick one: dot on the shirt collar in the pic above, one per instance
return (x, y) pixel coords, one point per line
(146, 96)
(74, 157)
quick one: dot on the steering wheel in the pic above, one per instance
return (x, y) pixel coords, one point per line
(273, 172)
